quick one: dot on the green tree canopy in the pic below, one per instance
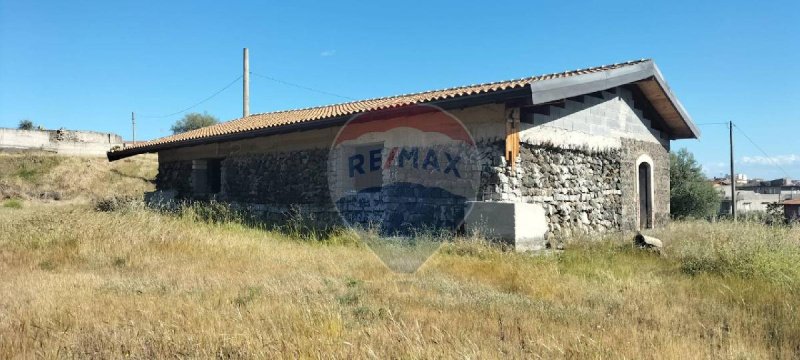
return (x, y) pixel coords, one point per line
(192, 121)
(691, 194)
(25, 124)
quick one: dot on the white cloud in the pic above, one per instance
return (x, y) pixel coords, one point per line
(772, 160)
(327, 53)
(715, 169)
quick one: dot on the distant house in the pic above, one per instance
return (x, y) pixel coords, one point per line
(583, 150)
(784, 188)
(756, 194)
(791, 210)
(746, 200)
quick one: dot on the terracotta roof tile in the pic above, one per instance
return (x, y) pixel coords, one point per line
(287, 117)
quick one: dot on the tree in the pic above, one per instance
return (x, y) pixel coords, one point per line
(691, 194)
(192, 121)
(25, 124)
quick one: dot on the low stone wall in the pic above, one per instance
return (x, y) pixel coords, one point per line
(65, 142)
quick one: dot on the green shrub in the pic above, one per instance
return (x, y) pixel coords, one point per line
(12, 204)
(31, 168)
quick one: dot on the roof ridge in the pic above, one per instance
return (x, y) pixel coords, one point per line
(630, 62)
(390, 96)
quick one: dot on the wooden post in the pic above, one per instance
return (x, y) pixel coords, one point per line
(245, 84)
(512, 136)
(733, 174)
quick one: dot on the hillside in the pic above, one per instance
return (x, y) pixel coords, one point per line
(48, 177)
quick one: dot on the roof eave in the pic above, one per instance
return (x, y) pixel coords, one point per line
(461, 101)
(695, 131)
(546, 91)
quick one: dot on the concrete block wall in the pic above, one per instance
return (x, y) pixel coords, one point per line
(596, 123)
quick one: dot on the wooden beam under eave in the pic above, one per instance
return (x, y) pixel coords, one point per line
(662, 104)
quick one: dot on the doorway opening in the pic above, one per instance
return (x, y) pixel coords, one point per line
(645, 197)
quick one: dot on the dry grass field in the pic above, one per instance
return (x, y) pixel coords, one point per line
(75, 282)
(43, 176)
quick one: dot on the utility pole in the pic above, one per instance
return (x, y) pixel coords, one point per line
(133, 128)
(245, 85)
(733, 174)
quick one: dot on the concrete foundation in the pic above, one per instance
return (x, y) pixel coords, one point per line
(522, 225)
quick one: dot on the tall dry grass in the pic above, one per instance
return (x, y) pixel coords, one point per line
(136, 283)
(44, 176)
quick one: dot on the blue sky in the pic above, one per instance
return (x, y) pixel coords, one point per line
(87, 65)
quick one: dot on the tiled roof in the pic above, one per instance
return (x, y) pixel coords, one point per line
(792, 202)
(281, 118)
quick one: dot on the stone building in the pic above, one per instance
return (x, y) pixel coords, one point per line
(584, 150)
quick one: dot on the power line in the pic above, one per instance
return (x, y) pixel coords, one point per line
(713, 123)
(301, 86)
(197, 104)
(762, 150)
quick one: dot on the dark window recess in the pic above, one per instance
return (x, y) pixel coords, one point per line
(214, 173)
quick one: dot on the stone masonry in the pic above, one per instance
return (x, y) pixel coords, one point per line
(579, 162)
(580, 190)
(175, 175)
(631, 151)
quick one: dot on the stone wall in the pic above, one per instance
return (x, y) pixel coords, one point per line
(175, 175)
(280, 185)
(274, 174)
(633, 150)
(277, 183)
(277, 178)
(580, 190)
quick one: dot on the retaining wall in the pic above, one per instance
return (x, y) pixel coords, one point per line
(65, 142)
